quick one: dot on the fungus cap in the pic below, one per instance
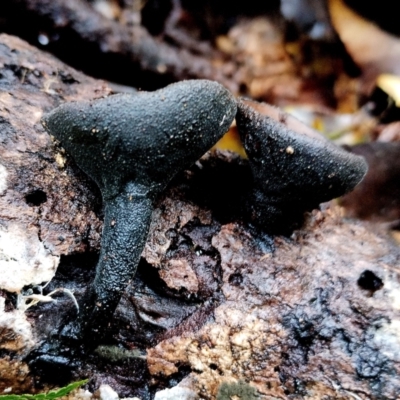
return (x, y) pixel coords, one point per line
(294, 167)
(145, 137)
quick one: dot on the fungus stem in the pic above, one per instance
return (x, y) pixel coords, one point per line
(126, 225)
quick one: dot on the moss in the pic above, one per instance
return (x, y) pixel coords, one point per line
(240, 389)
(116, 354)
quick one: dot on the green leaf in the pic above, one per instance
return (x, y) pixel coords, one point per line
(64, 390)
(53, 394)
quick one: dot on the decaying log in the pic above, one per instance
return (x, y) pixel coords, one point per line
(209, 310)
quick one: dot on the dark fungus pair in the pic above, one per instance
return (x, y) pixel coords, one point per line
(132, 146)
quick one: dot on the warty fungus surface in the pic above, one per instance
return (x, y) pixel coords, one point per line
(132, 146)
(294, 167)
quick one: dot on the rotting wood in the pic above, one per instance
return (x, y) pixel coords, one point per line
(296, 323)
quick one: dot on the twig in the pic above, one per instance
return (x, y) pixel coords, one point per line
(110, 38)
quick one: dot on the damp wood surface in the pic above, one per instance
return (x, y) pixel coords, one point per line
(318, 317)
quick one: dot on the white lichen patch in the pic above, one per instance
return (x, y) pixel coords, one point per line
(106, 392)
(391, 288)
(3, 179)
(176, 393)
(60, 160)
(23, 259)
(387, 338)
(16, 332)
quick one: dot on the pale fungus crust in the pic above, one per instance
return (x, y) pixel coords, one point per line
(3, 179)
(24, 260)
(16, 330)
